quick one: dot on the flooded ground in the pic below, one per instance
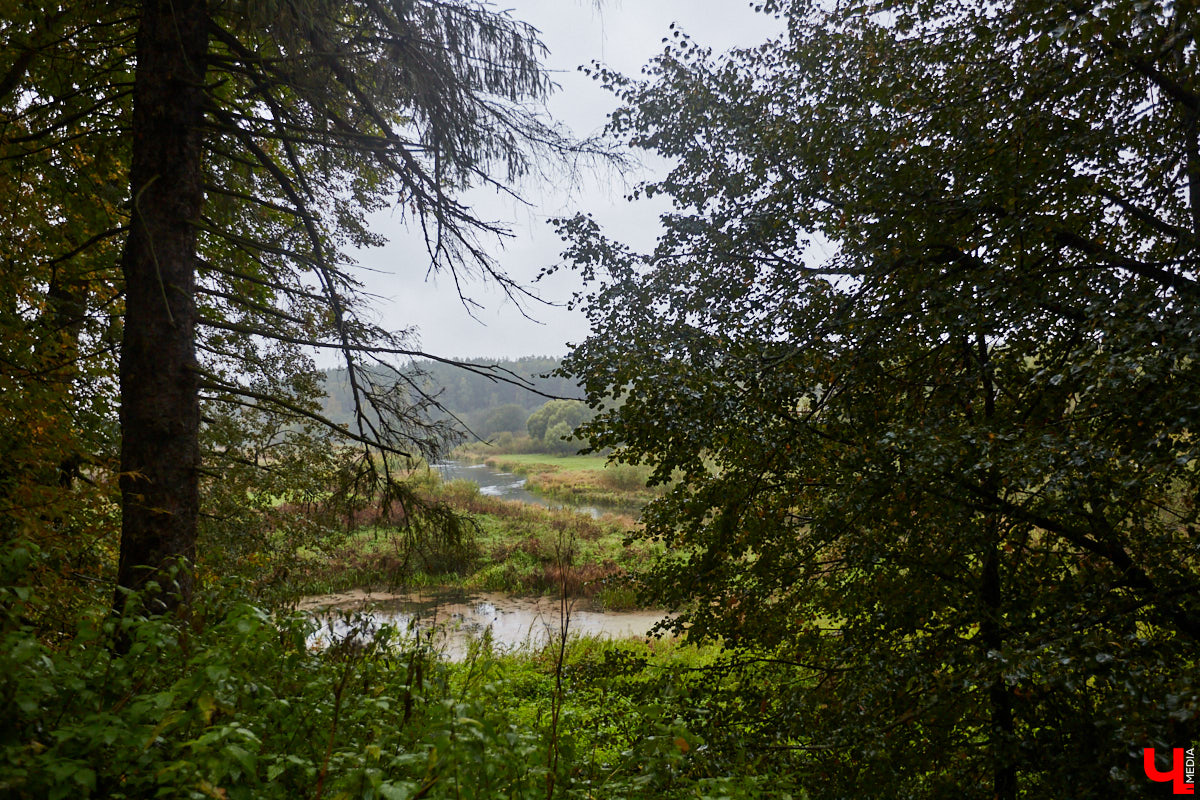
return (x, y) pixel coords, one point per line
(453, 618)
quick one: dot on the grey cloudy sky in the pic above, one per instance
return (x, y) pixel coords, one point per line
(623, 35)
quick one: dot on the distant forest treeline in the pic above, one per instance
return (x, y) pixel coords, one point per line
(487, 401)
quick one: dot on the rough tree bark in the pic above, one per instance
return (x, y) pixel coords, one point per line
(160, 413)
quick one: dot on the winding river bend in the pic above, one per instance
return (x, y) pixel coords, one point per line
(508, 486)
(491, 483)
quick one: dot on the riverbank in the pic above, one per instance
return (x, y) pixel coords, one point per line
(576, 480)
(501, 546)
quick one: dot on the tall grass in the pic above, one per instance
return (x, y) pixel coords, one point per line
(511, 549)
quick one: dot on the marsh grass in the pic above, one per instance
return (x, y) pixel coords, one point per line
(511, 549)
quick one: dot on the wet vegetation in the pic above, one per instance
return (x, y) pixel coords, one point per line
(234, 700)
(241, 707)
(909, 387)
(575, 480)
(510, 546)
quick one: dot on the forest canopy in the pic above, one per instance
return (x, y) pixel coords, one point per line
(921, 344)
(485, 384)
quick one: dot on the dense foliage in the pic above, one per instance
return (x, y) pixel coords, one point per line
(243, 708)
(921, 342)
(917, 359)
(185, 179)
(554, 423)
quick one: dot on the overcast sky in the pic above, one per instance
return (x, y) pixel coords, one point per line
(623, 35)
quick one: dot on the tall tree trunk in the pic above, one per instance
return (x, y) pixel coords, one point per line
(160, 412)
(991, 590)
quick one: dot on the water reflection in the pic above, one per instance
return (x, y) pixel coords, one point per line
(452, 618)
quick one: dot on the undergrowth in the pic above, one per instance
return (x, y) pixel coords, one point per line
(233, 703)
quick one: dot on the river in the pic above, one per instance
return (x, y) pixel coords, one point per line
(509, 486)
(505, 485)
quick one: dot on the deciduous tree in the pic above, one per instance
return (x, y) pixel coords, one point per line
(921, 340)
(62, 164)
(554, 418)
